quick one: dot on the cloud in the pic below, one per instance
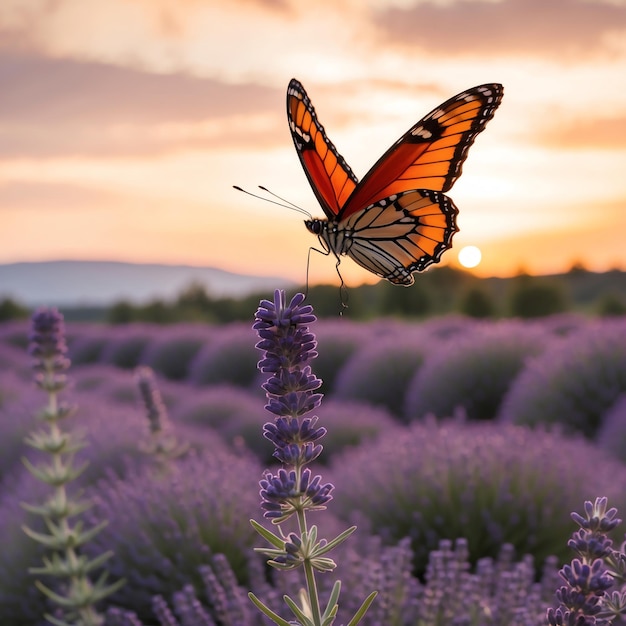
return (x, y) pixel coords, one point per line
(63, 107)
(43, 90)
(561, 28)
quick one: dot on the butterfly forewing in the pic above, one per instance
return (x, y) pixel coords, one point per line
(330, 176)
(431, 154)
(402, 234)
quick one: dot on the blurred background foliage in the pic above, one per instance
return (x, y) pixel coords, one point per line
(439, 291)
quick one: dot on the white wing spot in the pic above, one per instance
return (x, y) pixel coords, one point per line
(422, 132)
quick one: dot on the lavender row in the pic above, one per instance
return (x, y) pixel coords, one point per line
(181, 534)
(566, 369)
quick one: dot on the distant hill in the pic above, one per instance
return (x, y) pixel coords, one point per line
(100, 283)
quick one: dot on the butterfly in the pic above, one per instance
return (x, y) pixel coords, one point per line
(396, 220)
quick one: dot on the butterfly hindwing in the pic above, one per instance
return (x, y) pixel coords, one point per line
(429, 155)
(401, 234)
(330, 176)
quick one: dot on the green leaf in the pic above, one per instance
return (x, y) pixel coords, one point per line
(275, 540)
(49, 541)
(101, 591)
(333, 601)
(277, 619)
(56, 622)
(297, 611)
(52, 475)
(336, 541)
(56, 509)
(62, 601)
(362, 609)
(331, 616)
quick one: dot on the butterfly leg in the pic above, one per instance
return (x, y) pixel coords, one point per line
(325, 252)
(343, 290)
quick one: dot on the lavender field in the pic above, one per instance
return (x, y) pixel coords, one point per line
(458, 447)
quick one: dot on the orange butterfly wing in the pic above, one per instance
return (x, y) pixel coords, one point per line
(397, 236)
(330, 176)
(431, 153)
(395, 221)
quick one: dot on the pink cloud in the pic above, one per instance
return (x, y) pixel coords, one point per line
(53, 107)
(563, 28)
(45, 90)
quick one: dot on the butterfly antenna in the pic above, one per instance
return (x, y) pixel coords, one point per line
(295, 207)
(283, 203)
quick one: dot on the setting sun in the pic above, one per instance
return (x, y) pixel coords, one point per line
(470, 256)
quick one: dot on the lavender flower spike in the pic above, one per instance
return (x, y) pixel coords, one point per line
(48, 349)
(284, 334)
(71, 589)
(291, 391)
(585, 600)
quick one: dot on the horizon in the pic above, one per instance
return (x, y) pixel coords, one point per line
(122, 143)
(574, 267)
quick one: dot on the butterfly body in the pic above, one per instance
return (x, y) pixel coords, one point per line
(395, 221)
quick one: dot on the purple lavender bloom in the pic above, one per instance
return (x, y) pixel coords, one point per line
(285, 430)
(337, 340)
(47, 345)
(286, 381)
(583, 577)
(217, 406)
(593, 547)
(473, 371)
(228, 357)
(190, 610)
(288, 346)
(490, 483)
(162, 528)
(574, 382)
(126, 344)
(379, 372)
(173, 350)
(569, 618)
(598, 518)
(151, 396)
(14, 333)
(86, 343)
(611, 435)
(47, 338)
(293, 403)
(119, 617)
(285, 337)
(287, 493)
(297, 454)
(353, 423)
(584, 600)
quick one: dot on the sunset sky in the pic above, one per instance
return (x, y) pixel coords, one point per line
(125, 123)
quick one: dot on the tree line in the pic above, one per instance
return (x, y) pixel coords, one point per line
(439, 291)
